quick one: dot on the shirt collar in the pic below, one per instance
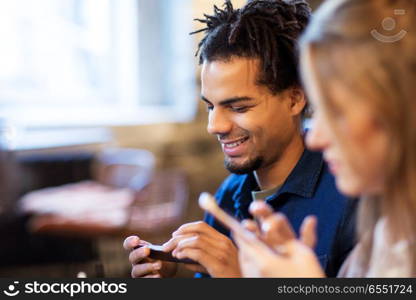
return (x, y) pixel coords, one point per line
(302, 181)
(304, 177)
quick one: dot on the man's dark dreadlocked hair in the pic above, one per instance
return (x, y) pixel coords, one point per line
(267, 30)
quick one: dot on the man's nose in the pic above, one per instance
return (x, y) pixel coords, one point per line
(218, 122)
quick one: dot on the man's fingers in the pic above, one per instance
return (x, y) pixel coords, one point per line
(197, 232)
(153, 276)
(138, 255)
(146, 269)
(131, 242)
(195, 268)
(206, 255)
(197, 242)
(173, 242)
(194, 227)
(202, 242)
(197, 255)
(308, 231)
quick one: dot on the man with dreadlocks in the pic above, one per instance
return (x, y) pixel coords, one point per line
(255, 103)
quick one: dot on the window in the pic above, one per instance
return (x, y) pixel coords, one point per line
(75, 63)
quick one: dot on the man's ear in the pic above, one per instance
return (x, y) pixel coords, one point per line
(297, 100)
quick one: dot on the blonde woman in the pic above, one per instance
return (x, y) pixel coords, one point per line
(359, 69)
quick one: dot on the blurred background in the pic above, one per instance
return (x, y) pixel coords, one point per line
(102, 133)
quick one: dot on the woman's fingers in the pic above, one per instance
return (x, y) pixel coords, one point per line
(252, 226)
(308, 231)
(260, 209)
(276, 230)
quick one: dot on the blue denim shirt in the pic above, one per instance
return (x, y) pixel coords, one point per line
(309, 190)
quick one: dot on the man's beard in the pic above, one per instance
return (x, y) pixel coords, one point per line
(245, 168)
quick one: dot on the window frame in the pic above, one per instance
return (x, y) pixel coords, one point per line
(129, 107)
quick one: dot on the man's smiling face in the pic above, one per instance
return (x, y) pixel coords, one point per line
(253, 125)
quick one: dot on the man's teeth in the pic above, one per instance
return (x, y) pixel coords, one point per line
(232, 145)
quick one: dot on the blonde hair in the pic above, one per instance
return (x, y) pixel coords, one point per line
(383, 73)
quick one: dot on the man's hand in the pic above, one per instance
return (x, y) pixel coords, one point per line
(142, 265)
(215, 252)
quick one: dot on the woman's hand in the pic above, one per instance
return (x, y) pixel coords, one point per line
(277, 252)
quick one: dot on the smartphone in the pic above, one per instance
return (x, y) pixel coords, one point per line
(156, 252)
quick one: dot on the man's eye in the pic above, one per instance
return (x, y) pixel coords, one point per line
(240, 109)
(210, 108)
